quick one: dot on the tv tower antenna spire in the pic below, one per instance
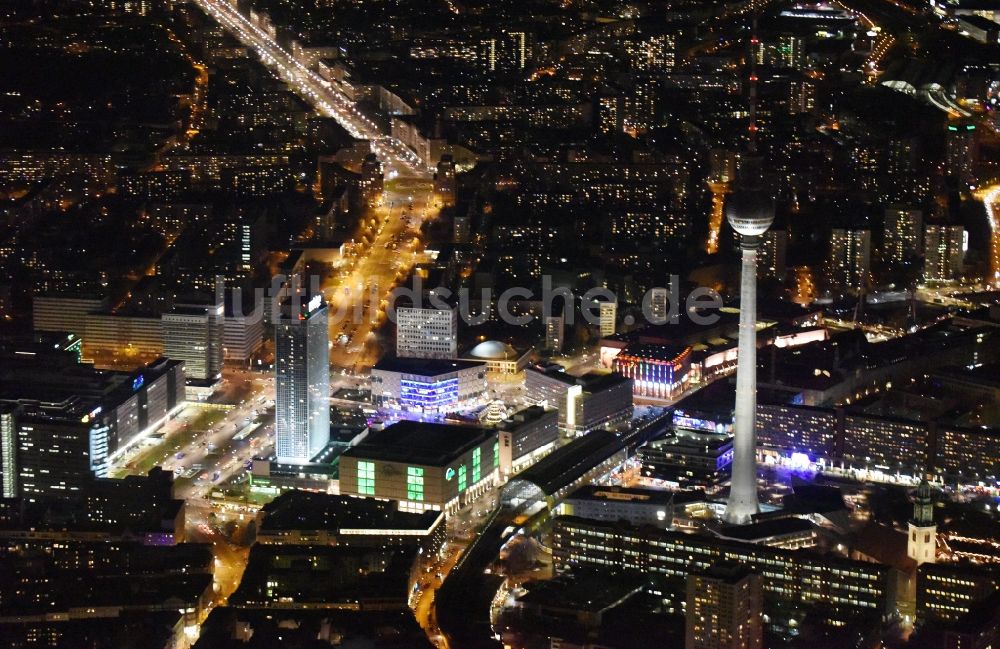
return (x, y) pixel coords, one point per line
(754, 47)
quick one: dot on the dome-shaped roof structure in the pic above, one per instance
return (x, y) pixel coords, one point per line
(750, 211)
(493, 350)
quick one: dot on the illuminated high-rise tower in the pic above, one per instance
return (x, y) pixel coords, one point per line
(750, 211)
(302, 366)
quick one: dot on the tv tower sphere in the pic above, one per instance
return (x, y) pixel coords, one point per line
(750, 212)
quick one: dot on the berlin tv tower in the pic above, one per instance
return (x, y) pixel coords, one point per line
(750, 211)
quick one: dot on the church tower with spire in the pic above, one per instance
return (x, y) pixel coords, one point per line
(921, 543)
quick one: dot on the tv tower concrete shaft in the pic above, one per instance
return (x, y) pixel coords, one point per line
(743, 503)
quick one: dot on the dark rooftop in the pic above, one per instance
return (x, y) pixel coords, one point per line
(767, 529)
(523, 416)
(978, 4)
(814, 498)
(591, 381)
(420, 443)
(329, 575)
(584, 590)
(885, 545)
(666, 353)
(61, 387)
(564, 465)
(729, 572)
(634, 494)
(190, 309)
(685, 331)
(694, 442)
(155, 628)
(785, 312)
(979, 22)
(985, 375)
(716, 400)
(303, 510)
(66, 591)
(424, 366)
(307, 629)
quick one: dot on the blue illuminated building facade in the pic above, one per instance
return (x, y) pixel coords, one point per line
(428, 385)
(428, 394)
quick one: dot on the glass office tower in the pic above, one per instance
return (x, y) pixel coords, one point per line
(302, 368)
